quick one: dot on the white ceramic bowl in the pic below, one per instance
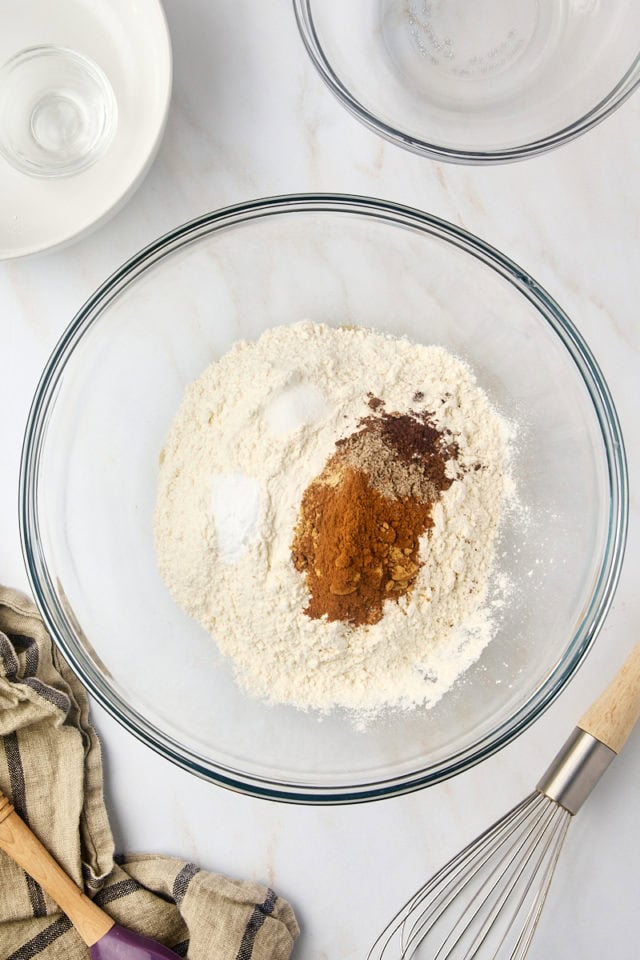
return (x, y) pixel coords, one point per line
(129, 41)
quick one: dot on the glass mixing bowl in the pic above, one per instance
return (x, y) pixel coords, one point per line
(99, 421)
(475, 82)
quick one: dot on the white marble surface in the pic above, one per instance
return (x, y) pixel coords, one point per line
(250, 117)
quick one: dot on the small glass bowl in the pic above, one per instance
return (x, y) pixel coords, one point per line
(98, 424)
(58, 113)
(486, 81)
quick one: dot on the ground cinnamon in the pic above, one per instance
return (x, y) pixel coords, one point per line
(360, 522)
(357, 547)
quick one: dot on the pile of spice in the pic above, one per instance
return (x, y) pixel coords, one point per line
(361, 520)
(328, 505)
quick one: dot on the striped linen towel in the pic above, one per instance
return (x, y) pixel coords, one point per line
(51, 769)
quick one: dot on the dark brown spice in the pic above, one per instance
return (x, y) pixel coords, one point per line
(414, 439)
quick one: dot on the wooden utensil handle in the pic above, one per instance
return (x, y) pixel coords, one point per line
(23, 846)
(614, 714)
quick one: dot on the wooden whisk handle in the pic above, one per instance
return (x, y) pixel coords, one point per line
(18, 841)
(614, 714)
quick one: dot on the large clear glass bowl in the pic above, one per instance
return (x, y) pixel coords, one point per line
(485, 81)
(99, 420)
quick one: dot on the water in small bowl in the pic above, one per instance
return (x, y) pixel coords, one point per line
(58, 112)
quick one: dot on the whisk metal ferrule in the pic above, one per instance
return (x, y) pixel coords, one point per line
(575, 770)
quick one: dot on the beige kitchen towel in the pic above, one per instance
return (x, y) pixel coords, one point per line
(51, 769)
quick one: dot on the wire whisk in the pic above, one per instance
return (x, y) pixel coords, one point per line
(486, 902)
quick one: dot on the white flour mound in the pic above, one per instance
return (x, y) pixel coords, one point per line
(250, 435)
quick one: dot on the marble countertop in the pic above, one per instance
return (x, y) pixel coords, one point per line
(250, 118)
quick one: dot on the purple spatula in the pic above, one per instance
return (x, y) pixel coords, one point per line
(106, 939)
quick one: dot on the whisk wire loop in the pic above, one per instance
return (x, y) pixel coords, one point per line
(446, 883)
(473, 855)
(485, 907)
(494, 841)
(526, 936)
(478, 918)
(461, 913)
(527, 863)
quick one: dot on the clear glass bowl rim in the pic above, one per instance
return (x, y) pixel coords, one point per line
(620, 92)
(42, 579)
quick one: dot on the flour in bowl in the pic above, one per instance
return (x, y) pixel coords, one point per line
(328, 505)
